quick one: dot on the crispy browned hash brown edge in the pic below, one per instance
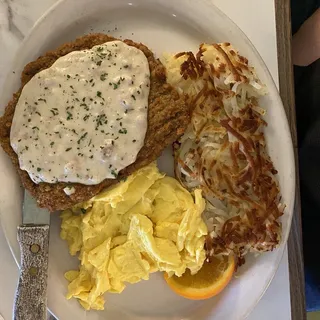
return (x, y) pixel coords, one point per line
(168, 117)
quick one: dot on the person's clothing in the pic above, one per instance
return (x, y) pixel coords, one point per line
(301, 10)
(307, 93)
(308, 121)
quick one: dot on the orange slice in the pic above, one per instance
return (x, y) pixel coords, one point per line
(210, 280)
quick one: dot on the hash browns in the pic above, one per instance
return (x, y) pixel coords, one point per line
(224, 151)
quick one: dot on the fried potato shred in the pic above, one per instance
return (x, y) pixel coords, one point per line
(224, 151)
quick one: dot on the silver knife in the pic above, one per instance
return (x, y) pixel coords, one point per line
(33, 237)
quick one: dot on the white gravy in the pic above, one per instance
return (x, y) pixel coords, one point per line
(84, 118)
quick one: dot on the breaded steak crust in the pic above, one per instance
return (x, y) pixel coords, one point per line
(168, 117)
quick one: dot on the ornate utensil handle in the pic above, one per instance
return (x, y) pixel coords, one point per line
(31, 295)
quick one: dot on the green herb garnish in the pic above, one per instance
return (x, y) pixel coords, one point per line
(103, 76)
(82, 137)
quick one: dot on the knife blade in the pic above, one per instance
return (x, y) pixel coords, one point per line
(32, 214)
(33, 237)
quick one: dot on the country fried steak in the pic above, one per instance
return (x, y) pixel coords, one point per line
(168, 117)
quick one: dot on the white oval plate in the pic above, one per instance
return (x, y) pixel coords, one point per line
(163, 25)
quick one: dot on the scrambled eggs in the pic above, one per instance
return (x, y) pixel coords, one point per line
(145, 224)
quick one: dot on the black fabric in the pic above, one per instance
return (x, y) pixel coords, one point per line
(307, 92)
(301, 10)
(307, 86)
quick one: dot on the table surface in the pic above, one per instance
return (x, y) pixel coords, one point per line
(18, 16)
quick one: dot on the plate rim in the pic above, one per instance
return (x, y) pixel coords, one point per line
(290, 212)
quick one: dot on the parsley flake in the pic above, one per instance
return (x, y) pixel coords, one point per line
(103, 76)
(114, 173)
